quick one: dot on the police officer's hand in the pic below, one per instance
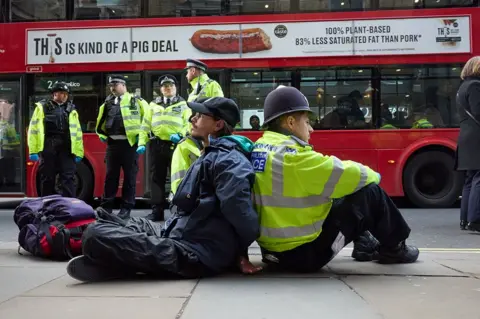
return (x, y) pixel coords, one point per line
(78, 159)
(34, 157)
(175, 138)
(141, 149)
(103, 139)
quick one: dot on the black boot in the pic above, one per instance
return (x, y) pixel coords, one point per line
(463, 225)
(365, 247)
(400, 254)
(157, 213)
(124, 213)
(474, 227)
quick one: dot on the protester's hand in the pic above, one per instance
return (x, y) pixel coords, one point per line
(34, 157)
(78, 159)
(141, 149)
(247, 268)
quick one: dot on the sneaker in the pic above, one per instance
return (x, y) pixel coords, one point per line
(401, 254)
(463, 225)
(365, 247)
(83, 269)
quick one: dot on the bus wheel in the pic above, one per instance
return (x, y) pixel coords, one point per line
(429, 180)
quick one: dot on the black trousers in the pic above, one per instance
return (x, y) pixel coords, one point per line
(470, 204)
(160, 158)
(136, 245)
(120, 155)
(370, 208)
(57, 158)
(7, 167)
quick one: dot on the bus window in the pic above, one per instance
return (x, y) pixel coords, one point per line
(35, 10)
(249, 89)
(106, 9)
(340, 98)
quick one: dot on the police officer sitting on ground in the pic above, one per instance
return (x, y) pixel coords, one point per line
(311, 205)
(118, 124)
(55, 137)
(201, 85)
(213, 221)
(168, 120)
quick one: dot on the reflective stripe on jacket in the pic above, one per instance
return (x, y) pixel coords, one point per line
(165, 121)
(422, 123)
(209, 88)
(185, 154)
(132, 116)
(294, 187)
(9, 139)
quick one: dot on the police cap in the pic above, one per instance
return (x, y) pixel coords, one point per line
(219, 107)
(196, 64)
(60, 87)
(284, 100)
(113, 79)
(168, 78)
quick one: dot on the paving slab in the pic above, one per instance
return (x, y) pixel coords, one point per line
(423, 267)
(69, 287)
(419, 297)
(11, 258)
(471, 267)
(81, 308)
(15, 281)
(275, 298)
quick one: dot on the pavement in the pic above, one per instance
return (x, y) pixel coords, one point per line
(444, 283)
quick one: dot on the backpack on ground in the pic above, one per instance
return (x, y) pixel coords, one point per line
(52, 226)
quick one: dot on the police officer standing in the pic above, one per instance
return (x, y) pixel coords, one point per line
(55, 137)
(201, 85)
(118, 124)
(168, 120)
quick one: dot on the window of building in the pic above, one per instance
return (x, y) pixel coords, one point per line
(249, 89)
(34, 10)
(340, 98)
(419, 97)
(106, 9)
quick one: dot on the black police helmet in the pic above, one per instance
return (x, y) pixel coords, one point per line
(284, 100)
(60, 87)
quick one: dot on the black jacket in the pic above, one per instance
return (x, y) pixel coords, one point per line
(468, 144)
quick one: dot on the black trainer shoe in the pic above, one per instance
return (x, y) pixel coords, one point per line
(365, 247)
(463, 225)
(401, 254)
(124, 213)
(474, 227)
(157, 213)
(83, 269)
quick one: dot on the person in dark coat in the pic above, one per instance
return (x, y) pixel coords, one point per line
(467, 157)
(213, 221)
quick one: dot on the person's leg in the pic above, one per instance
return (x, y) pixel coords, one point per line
(67, 168)
(474, 202)
(161, 157)
(113, 158)
(467, 186)
(47, 169)
(130, 170)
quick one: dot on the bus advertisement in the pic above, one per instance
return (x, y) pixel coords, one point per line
(400, 67)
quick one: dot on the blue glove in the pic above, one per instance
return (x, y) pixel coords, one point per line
(379, 178)
(103, 139)
(175, 138)
(34, 157)
(141, 149)
(78, 159)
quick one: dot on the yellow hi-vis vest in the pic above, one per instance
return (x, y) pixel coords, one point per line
(188, 150)
(206, 88)
(132, 116)
(165, 121)
(294, 188)
(422, 123)
(36, 132)
(9, 139)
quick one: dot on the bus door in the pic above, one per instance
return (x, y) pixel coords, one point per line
(12, 136)
(152, 90)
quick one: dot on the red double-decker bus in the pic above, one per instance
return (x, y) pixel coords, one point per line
(381, 75)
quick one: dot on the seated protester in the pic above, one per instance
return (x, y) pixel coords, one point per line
(310, 205)
(213, 220)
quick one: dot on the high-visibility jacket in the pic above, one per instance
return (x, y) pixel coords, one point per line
(387, 126)
(188, 150)
(163, 120)
(422, 123)
(203, 87)
(36, 132)
(294, 188)
(9, 139)
(132, 109)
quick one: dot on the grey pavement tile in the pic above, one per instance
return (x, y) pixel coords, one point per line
(275, 298)
(419, 297)
(423, 267)
(15, 281)
(466, 266)
(81, 308)
(141, 287)
(11, 258)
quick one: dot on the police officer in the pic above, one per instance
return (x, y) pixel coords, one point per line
(168, 120)
(311, 205)
(118, 124)
(55, 137)
(9, 142)
(201, 85)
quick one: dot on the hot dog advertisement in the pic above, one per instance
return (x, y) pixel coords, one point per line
(439, 35)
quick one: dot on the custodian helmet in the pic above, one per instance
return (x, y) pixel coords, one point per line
(284, 100)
